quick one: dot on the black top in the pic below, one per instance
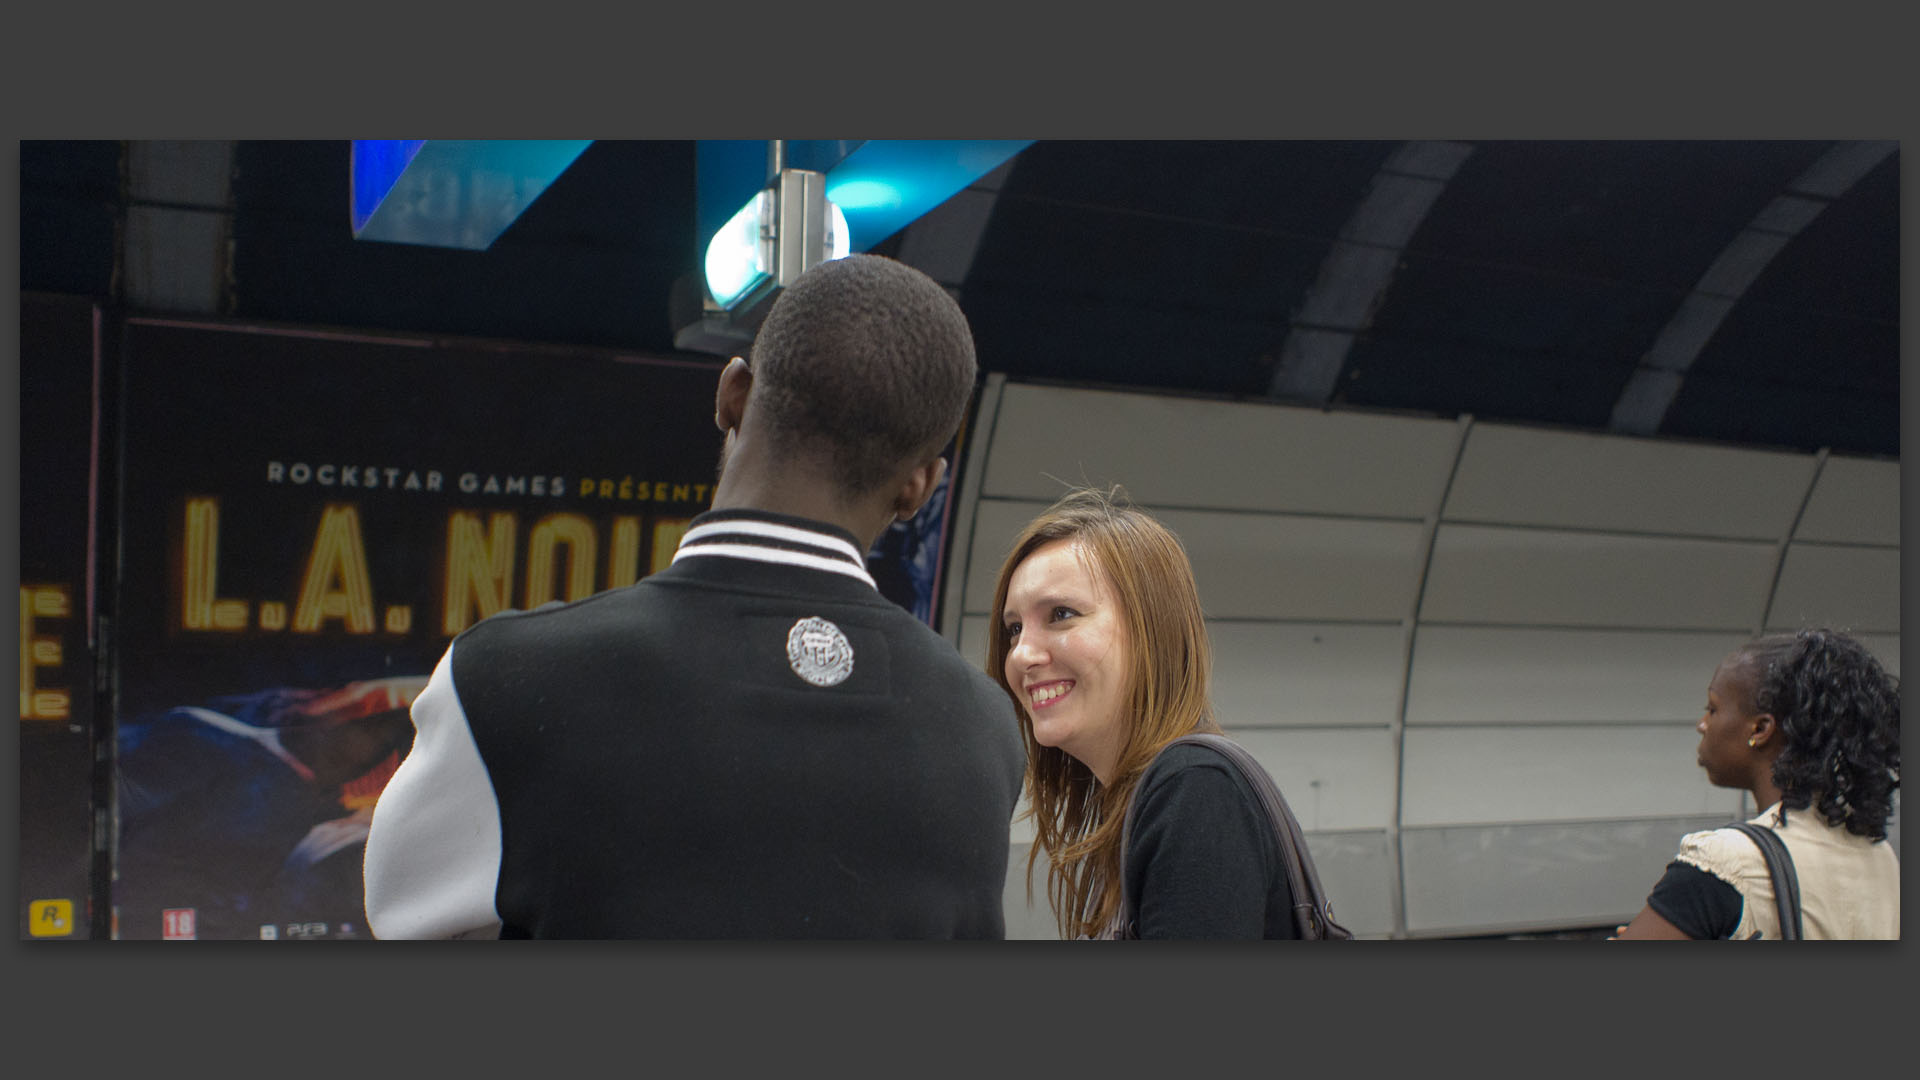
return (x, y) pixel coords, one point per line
(1204, 861)
(750, 743)
(1698, 904)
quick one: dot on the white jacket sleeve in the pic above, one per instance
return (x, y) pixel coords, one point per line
(433, 850)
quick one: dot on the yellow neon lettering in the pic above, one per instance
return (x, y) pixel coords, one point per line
(38, 602)
(576, 533)
(337, 585)
(479, 568)
(200, 609)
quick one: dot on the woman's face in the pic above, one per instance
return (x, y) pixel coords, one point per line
(1067, 654)
(1727, 725)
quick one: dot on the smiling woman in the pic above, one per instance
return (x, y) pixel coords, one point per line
(1102, 645)
(1067, 657)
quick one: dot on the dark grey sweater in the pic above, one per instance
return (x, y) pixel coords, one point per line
(1203, 861)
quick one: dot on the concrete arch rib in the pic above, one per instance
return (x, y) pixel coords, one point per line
(1655, 382)
(1358, 269)
(944, 241)
(179, 225)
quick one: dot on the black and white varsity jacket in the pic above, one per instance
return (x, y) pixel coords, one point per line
(750, 743)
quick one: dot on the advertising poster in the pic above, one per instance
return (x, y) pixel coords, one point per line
(59, 379)
(308, 519)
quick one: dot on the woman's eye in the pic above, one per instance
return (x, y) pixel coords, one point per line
(1063, 613)
(1013, 630)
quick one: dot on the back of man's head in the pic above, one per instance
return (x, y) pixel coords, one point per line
(864, 364)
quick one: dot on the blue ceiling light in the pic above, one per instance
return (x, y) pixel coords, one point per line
(376, 165)
(863, 194)
(810, 200)
(457, 193)
(886, 184)
(882, 185)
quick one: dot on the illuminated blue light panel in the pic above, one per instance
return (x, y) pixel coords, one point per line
(377, 165)
(457, 193)
(885, 184)
(881, 185)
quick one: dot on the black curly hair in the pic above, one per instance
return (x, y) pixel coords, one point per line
(1839, 710)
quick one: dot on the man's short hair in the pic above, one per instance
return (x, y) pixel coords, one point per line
(866, 362)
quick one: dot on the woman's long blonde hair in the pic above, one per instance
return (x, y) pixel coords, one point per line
(1077, 820)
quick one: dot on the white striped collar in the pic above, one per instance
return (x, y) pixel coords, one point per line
(784, 543)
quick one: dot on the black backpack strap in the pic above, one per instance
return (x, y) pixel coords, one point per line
(1786, 884)
(1312, 912)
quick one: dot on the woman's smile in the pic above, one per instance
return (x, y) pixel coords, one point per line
(1067, 653)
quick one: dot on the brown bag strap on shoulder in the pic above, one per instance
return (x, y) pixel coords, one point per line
(1312, 912)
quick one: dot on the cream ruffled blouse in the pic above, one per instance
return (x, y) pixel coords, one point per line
(1849, 885)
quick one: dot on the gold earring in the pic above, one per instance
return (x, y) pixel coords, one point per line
(1750, 742)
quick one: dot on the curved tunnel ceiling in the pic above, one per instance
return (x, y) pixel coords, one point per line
(1519, 281)
(1735, 291)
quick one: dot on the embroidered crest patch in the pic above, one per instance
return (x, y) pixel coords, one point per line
(819, 652)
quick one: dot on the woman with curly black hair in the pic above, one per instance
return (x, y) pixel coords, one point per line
(1809, 723)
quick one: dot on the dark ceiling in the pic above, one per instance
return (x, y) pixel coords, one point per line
(1740, 292)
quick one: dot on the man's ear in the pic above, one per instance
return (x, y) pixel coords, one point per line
(918, 488)
(730, 400)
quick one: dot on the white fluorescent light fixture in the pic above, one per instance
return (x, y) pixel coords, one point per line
(741, 255)
(840, 238)
(778, 235)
